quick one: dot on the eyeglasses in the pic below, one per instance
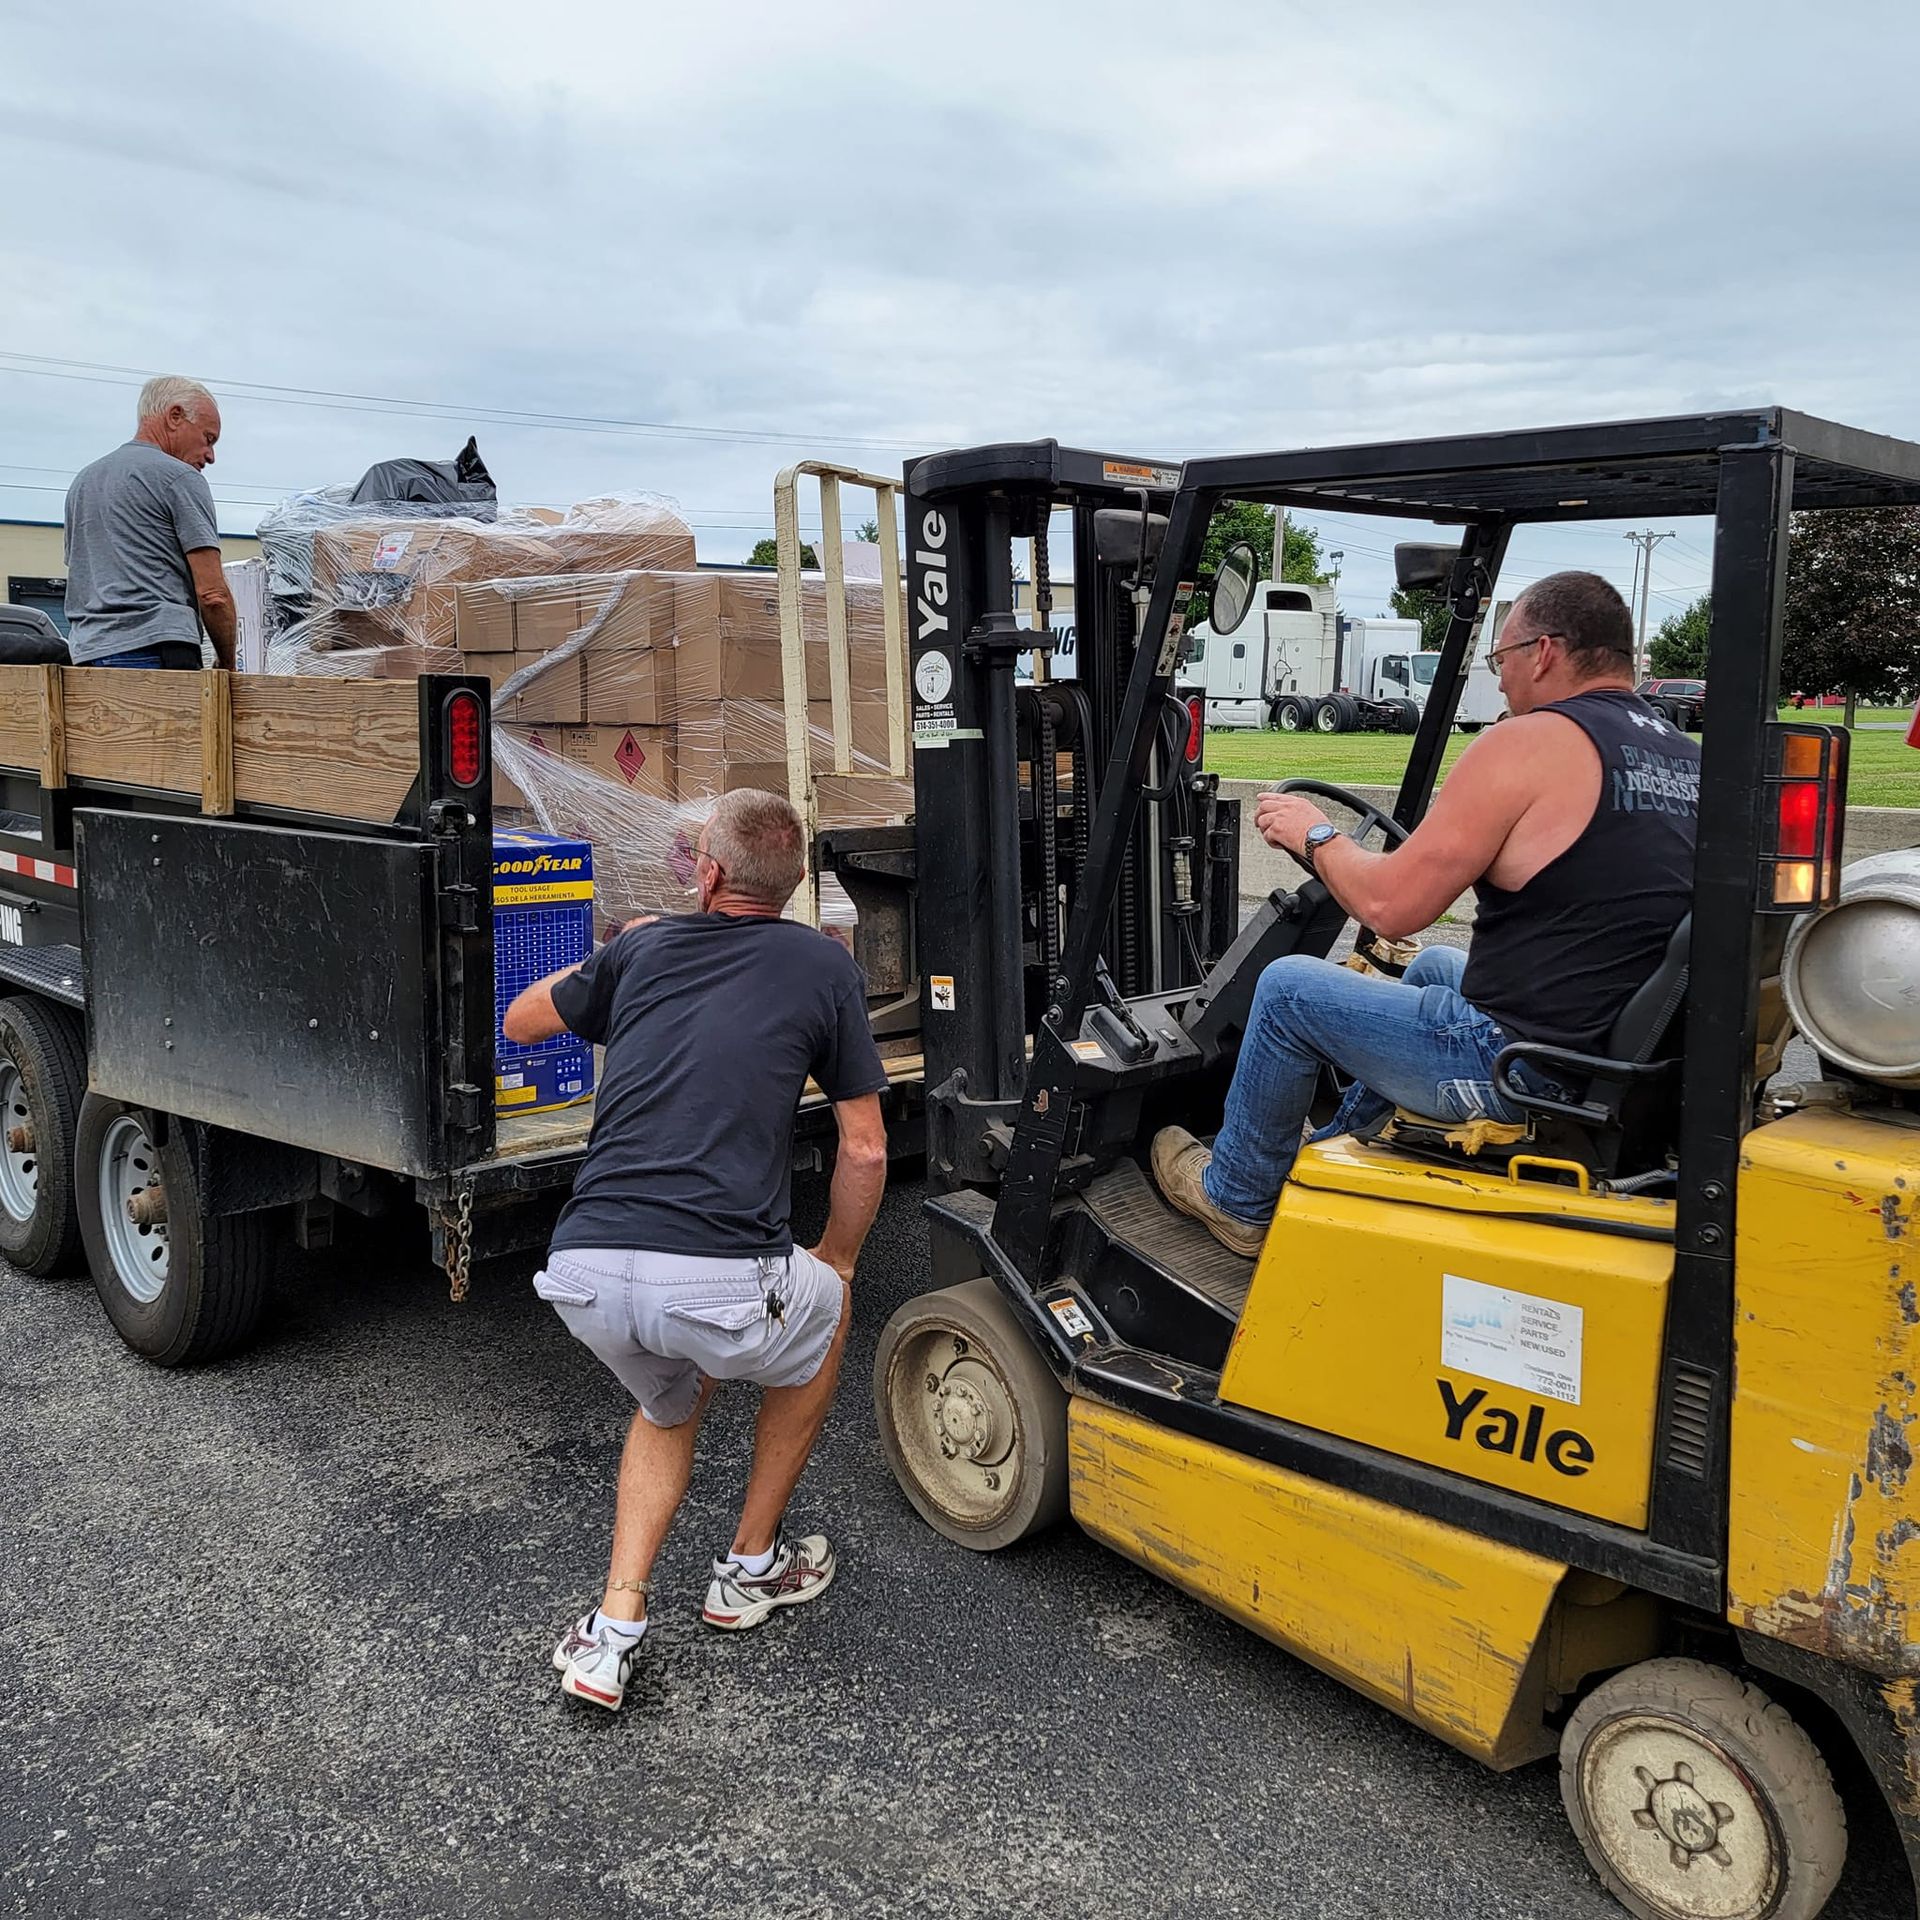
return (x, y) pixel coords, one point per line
(1497, 654)
(684, 854)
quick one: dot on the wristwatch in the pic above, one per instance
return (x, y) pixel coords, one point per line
(1317, 837)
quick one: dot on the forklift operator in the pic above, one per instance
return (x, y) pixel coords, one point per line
(1573, 822)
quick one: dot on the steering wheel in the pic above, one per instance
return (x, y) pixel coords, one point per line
(1370, 815)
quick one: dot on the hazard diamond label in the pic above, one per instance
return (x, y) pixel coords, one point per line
(629, 756)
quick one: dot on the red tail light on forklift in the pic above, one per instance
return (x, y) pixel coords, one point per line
(1806, 803)
(1195, 711)
(466, 739)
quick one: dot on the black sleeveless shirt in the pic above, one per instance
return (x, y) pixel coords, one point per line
(1558, 959)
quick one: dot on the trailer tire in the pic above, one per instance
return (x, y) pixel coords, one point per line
(972, 1422)
(188, 1288)
(1289, 714)
(1677, 1768)
(43, 1074)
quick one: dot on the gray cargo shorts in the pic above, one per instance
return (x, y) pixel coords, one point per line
(661, 1320)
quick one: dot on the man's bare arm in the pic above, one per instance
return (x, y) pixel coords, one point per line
(1482, 800)
(533, 1016)
(216, 603)
(859, 1180)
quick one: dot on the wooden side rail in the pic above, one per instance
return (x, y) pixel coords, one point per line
(349, 748)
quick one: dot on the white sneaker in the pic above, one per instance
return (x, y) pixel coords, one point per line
(801, 1570)
(596, 1666)
(575, 1641)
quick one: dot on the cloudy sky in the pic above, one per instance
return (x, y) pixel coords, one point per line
(670, 248)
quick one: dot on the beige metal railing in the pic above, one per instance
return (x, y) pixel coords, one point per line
(793, 657)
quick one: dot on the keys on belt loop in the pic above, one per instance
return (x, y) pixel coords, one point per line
(769, 1276)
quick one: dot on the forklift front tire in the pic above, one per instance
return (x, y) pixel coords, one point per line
(180, 1285)
(972, 1422)
(1695, 1794)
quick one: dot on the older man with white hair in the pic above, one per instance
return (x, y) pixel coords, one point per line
(143, 549)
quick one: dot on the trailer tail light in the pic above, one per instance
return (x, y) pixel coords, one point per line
(1195, 730)
(1806, 802)
(466, 739)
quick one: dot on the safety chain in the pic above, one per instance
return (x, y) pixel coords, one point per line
(457, 1232)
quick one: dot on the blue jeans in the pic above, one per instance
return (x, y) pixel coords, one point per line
(183, 656)
(1408, 1043)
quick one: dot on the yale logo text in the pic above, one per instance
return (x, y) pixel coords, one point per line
(1501, 1430)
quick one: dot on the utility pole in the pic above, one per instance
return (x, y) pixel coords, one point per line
(1643, 546)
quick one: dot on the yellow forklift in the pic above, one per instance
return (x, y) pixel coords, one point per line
(1589, 1435)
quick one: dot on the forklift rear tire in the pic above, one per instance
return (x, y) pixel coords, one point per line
(1697, 1797)
(180, 1285)
(972, 1422)
(43, 1074)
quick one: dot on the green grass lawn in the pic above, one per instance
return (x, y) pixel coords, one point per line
(1884, 771)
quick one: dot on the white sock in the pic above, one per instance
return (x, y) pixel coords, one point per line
(754, 1563)
(620, 1629)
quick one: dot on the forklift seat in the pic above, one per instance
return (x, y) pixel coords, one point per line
(1625, 1121)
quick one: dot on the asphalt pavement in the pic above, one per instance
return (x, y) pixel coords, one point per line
(274, 1643)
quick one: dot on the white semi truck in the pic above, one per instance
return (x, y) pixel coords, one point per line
(1295, 664)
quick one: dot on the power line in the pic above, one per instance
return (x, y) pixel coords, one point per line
(101, 373)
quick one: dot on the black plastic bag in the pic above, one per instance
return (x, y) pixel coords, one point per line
(462, 483)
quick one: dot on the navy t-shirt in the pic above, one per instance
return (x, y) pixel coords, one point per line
(712, 1024)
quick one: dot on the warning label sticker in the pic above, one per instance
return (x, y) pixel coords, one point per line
(1137, 473)
(940, 992)
(1518, 1339)
(1073, 1322)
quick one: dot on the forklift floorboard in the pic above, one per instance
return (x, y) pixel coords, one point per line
(1125, 1202)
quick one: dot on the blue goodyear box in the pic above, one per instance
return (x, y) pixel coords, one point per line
(542, 921)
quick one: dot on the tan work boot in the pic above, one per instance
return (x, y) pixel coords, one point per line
(1178, 1162)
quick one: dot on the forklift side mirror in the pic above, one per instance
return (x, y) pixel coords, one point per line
(1233, 588)
(1423, 564)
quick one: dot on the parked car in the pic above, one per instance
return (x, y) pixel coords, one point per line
(1683, 702)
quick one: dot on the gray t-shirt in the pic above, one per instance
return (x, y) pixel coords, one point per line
(132, 519)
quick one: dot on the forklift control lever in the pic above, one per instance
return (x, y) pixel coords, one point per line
(1115, 1018)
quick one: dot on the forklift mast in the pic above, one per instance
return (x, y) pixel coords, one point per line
(1008, 769)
